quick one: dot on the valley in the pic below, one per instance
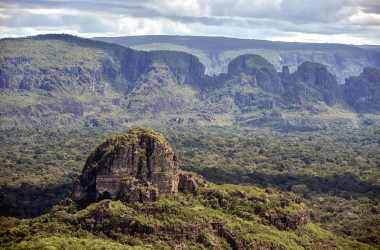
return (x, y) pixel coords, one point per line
(287, 131)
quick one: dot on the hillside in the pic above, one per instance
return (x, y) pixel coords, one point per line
(163, 207)
(66, 81)
(216, 52)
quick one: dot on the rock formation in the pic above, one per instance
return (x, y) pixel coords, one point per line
(362, 92)
(310, 83)
(137, 166)
(263, 72)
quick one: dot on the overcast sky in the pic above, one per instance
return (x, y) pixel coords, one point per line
(342, 21)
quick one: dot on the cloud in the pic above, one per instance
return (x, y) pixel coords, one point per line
(346, 21)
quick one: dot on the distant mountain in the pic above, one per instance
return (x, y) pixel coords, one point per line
(66, 81)
(216, 52)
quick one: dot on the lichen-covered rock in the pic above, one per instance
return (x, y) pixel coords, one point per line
(137, 166)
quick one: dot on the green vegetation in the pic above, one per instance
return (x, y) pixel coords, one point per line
(336, 172)
(61, 96)
(219, 216)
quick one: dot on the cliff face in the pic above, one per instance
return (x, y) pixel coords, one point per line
(70, 82)
(311, 82)
(186, 68)
(136, 166)
(254, 84)
(73, 64)
(362, 93)
(217, 52)
(262, 72)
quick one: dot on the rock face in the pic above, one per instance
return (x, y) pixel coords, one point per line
(70, 82)
(185, 67)
(137, 166)
(189, 182)
(285, 221)
(264, 73)
(343, 60)
(311, 82)
(362, 92)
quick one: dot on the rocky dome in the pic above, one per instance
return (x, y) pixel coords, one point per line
(137, 166)
(265, 74)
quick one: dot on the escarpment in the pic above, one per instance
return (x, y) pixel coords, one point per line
(137, 166)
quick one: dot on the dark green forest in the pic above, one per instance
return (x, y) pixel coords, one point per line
(335, 172)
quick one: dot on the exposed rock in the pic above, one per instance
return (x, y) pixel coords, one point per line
(232, 240)
(189, 182)
(185, 67)
(159, 90)
(311, 82)
(148, 86)
(362, 93)
(265, 74)
(215, 52)
(285, 221)
(133, 190)
(136, 166)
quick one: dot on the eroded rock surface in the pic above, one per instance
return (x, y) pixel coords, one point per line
(189, 182)
(136, 166)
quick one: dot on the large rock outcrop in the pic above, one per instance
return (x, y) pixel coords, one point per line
(310, 83)
(186, 68)
(362, 92)
(137, 166)
(261, 72)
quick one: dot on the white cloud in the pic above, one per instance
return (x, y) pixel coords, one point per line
(347, 21)
(365, 19)
(181, 7)
(146, 26)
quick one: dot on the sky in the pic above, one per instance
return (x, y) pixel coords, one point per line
(325, 21)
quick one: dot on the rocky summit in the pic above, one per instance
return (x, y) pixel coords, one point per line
(137, 166)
